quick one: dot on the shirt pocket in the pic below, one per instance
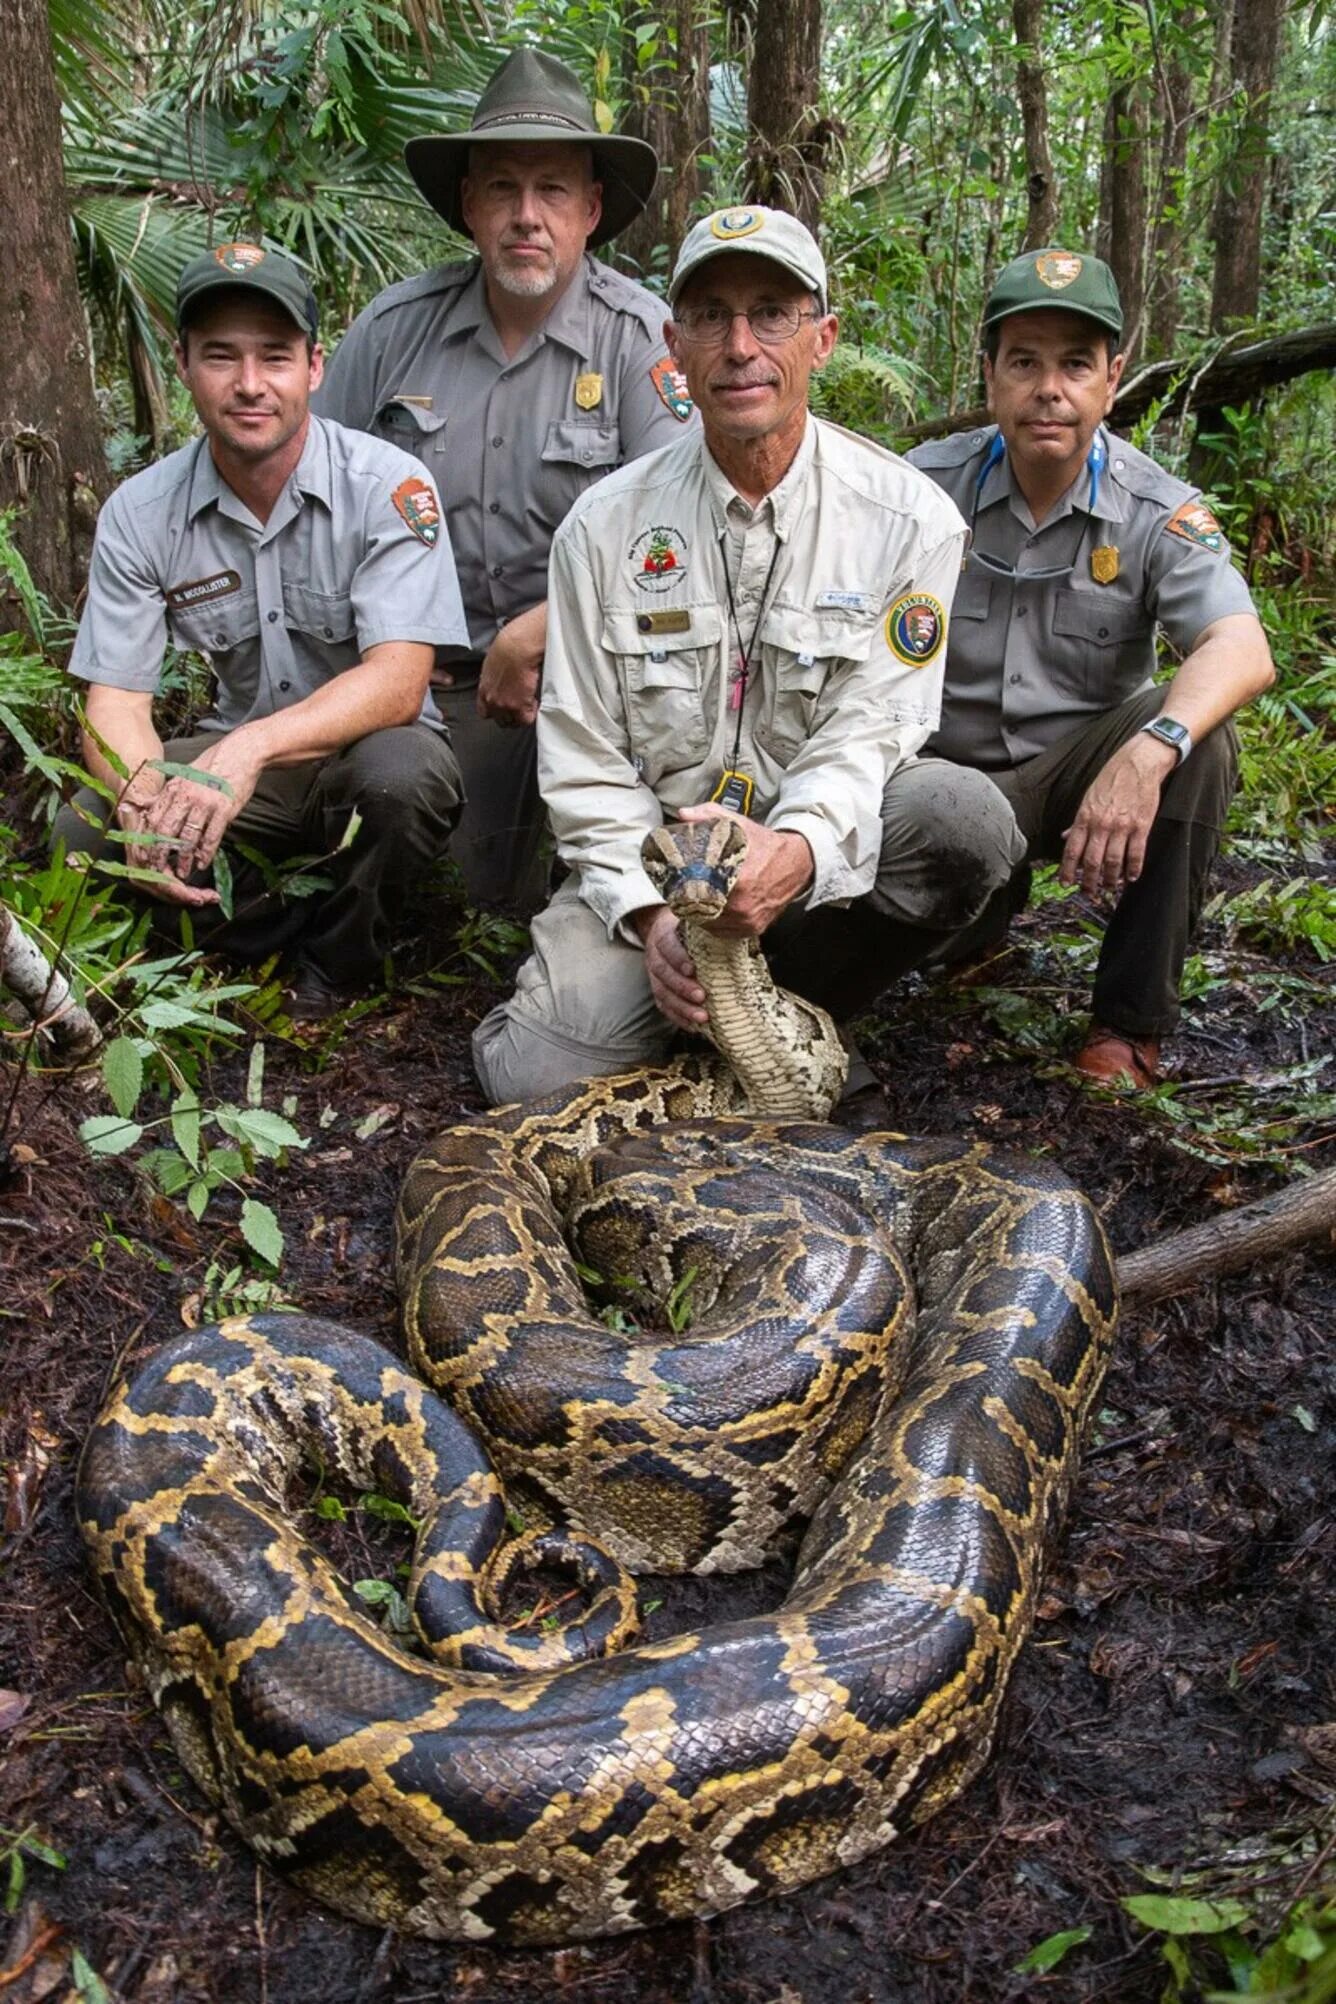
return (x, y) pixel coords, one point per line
(325, 617)
(413, 429)
(574, 456)
(800, 651)
(1102, 648)
(665, 678)
(218, 628)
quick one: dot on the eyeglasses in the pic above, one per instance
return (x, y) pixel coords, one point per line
(709, 326)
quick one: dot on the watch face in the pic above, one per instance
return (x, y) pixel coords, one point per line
(1171, 732)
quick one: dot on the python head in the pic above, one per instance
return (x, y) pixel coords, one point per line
(694, 865)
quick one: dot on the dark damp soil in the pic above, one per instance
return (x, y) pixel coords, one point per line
(1162, 1716)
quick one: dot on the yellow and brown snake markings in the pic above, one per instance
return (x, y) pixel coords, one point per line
(895, 1343)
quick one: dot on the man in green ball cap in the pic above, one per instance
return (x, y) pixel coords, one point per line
(1081, 549)
(518, 377)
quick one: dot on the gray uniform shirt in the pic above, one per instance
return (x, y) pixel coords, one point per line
(353, 554)
(510, 444)
(1027, 663)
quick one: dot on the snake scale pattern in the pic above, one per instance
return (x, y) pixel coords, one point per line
(892, 1351)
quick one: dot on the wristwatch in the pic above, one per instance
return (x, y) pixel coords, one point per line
(1170, 732)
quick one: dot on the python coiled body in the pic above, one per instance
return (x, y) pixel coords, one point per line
(524, 1788)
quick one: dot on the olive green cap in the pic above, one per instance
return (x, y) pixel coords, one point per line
(1053, 277)
(247, 268)
(534, 100)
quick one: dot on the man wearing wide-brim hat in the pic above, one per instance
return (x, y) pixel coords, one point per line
(518, 377)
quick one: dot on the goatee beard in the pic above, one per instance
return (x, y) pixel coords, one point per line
(524, 284)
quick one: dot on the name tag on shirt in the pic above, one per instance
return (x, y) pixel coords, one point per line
(203, 591)
(845, 601)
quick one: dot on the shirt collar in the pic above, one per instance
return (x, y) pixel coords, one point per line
(781, 501)
(312, 475)
(1110, 505)
(568, 321)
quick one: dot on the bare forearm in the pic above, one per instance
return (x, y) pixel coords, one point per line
(1230, 664)
(121, 721)
(374, 696)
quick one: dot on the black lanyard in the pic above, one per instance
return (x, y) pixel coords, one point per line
(743, 678)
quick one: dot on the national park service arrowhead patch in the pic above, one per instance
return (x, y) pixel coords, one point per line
(1058, 269)
(1194, 522)
(671, 385)
(915, 629)
(239, 257)
(416, 502)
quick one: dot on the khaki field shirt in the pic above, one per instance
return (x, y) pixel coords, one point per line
(1029, 663)
(510, 444)
(282, 607)
(845, 573)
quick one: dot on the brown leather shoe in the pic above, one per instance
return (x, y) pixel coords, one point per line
(1113, 1059)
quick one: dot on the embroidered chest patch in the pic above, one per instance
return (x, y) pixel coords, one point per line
(671, 385)
(203, 591)
(416, 502)
(915, 629)
(659, 558)
(1194, 522)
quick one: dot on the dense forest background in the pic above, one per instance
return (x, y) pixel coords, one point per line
(1159, 1818)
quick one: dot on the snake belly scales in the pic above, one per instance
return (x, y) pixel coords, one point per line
(895, 1344)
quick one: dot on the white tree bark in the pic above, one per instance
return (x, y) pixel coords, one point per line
(45, 994)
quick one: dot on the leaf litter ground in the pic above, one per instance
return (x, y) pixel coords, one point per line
(1173, 1709)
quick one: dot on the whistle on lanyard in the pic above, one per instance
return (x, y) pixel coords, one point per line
(734, 792)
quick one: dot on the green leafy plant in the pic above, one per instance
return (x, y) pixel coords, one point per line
(16, 1846)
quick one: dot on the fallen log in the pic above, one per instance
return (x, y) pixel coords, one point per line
(45, 994)
(1300, 1212)
(1230, 377)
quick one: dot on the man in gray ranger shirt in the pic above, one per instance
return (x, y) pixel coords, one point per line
(1081, 547)
(311, 564)
(519, 378)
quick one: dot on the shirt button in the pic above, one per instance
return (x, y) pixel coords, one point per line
(271, 617)
(1021, 611)
(1013, 678)
(494, 507)
(329, 633)
(496, 441)
(498, 570)
(285, 685)
(220, 640)
(1104, 633)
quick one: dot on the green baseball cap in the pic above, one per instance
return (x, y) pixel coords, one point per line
(1053, 277)
(534, 100)
(768, 233)
(248, 268)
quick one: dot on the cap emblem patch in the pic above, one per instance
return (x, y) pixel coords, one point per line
(239, 257)
(730, 223)
(1058, 269)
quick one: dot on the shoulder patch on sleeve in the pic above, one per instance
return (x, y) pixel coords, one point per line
(415, 500)
(1194, 522)
(915, 629)
(671, 385)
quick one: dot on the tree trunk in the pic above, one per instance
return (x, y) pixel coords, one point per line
(1041, 190)
(1128, 118)
(1237, 227)
(790, 141)
(1304, 1211)
(669, 105)
(52, 464)
(1169, 236)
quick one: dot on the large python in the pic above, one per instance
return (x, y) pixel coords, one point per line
(910, 1377)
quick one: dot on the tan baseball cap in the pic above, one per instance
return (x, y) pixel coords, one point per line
(768, 233)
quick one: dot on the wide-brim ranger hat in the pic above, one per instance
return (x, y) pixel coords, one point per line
(242, 267)
(1052, 277)
(768, 233)
(533, 100)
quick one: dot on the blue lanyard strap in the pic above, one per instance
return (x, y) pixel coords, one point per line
(1096, 460)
